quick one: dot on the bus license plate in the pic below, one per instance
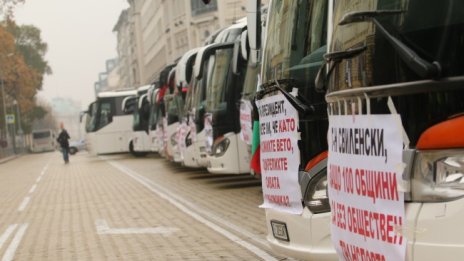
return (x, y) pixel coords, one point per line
(279, 230)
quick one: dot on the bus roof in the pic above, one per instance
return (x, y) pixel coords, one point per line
(144, 88)
(120, 93)
(42, 130)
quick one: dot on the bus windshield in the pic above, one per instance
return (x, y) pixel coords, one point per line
(216, 90)
(141, 115)
(251, 80)
(290, 50)
(432, 30)
(41, 134)
(102, 111)
(293, 53)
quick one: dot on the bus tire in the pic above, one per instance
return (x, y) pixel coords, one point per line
(134, 153)
(72, 150)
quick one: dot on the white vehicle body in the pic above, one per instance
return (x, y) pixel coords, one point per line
(198, 156)
(177, 132)
(229, 153)
(141, 141)
(109, 129)
(434, 205)
(152, 131)
(235, 160)
(191, 152)
(43, 140)
(171, 147)
(140, 138)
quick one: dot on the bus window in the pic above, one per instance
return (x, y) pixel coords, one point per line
(106, 114)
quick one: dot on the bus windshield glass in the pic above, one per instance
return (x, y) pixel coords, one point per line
(41, 134)
(216, 90)
(290, 49)
(433, 30)
(251, 80)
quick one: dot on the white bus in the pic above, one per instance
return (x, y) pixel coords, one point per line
(139, 144)
(108, 127)
(43, 140)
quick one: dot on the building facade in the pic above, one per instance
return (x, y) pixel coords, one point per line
(154, 33)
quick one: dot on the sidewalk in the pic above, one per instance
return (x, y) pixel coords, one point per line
(6, 159)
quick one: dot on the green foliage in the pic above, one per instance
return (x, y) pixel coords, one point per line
(29, 44)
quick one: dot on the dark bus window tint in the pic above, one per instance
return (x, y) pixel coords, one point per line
(41, 135)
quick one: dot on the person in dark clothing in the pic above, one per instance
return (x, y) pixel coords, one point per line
(64, 143)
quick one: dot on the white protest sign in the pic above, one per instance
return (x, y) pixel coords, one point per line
(364, 176)
(245, 121)
(280, 155)
(182, 131)
(208, 127)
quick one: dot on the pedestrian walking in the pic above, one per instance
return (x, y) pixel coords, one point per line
(64, 143)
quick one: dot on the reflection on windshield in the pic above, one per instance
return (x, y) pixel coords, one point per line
(91, 119)
(216, 89)
(289, 49)
(432, 29)
(251, 80)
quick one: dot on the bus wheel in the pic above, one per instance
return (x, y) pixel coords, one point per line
(136, 153)
(72, 150)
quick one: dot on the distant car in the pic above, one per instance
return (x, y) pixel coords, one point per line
(75, 146)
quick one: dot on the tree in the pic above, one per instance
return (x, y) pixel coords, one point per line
(21, 80)
(29, 43)
(6, 7)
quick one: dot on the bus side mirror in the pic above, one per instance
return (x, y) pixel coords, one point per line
(254, 28)
(81, 115)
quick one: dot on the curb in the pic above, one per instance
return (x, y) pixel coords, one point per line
(4, 160)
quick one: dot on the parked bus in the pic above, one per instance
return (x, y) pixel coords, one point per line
(160, 124)
(199, 141)
(108, 127)
(172, 103)
(184, 72)
(139, 144)
(296, 37)
(228, 153)
(152, 97)
(43, 140)
(409, 60)
(388, 57)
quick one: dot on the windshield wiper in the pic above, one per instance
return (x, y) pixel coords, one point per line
(335, 58)
(275, 86)
(420, 66)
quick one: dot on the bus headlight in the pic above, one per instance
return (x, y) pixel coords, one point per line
(316, 197)
(438, 176)
(220, 147)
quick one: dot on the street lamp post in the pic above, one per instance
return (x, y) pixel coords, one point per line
(20, 129)
(3, 99)
(5, 126)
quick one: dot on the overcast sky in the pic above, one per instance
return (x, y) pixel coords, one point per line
(80, 40)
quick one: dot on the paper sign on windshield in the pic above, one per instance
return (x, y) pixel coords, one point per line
(364, 177)
(245, 121)
(280, 155)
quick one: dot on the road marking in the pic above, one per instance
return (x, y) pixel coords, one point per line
(7, 234)
(45, 169)
(11, 250)
(38, 179)
(24, 204)
(33, 189)
(104, 229)
(194, 213)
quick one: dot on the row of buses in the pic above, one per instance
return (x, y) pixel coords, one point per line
(326, 57)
